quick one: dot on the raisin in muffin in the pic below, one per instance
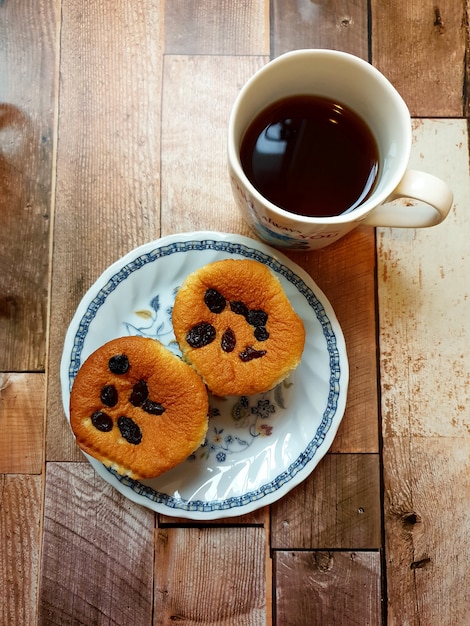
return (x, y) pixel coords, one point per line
(138, 408)
(236, 327)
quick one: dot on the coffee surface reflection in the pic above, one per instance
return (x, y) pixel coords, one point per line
(311, 156)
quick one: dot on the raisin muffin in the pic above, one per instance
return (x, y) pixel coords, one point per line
(236, 327)
(138, 408)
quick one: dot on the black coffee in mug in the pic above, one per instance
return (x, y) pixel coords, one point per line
(311, 156)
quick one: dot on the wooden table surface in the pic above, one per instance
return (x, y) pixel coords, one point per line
(113, 119)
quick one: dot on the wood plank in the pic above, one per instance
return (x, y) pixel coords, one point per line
(342, 498)
(107, 199)
(197, 99)
(28, 49)
(334, 24)
(20, 519)
(346, 278)
(427, 521)
(235, 28)
(424, 300)
(97, 554)
(210, 576)
(421, 48)
(320, 587)
(424, 310)
(22, 418)
(345, 272)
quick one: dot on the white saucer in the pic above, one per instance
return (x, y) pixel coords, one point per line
(258, 447)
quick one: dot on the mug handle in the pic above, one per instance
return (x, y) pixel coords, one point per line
(426, 188)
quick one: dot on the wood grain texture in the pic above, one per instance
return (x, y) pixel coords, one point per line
(212, 576)
(424, 301)
(326, 24)
(421, 48)
(28, 49)
(22, 418)
(424, 344)
(197, 100)
(20, 523)
(97, 556)
(345, 272)
(321, 587)
(235, 28)
(338, 506)
(427, 522)
(113, 121)
(107, 193)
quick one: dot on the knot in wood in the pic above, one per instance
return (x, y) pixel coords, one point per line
(421, 563)
(323, 561)
(410, 520)
(438, 22)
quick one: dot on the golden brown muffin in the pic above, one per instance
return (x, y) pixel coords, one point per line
(138, 408)
(237, 328)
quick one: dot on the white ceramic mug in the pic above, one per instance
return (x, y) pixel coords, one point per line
(355, 83)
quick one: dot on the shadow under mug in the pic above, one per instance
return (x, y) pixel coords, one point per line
(350, 81)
